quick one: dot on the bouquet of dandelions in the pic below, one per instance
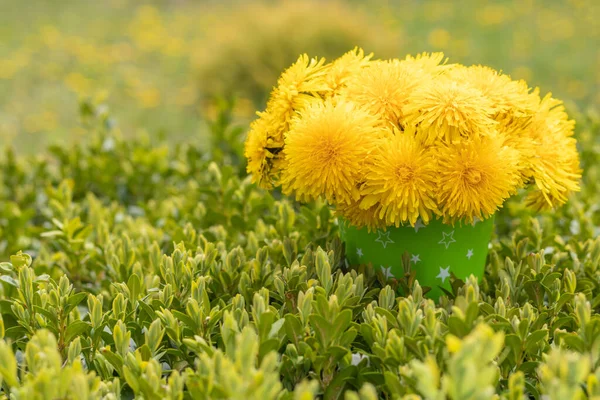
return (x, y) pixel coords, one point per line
(418, 151)
(398, 142)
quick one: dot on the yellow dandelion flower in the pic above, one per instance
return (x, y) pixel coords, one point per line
(541, 198)
(551, 113)
(297, 88)
(255, 151)
(342, 69)
(446, 109)
(515, 130)
(383, 88)
(425, 64)
(508, 97)
(513, 137)
(475, 177)
(400, 177)
(326, 149)
(262, 152)
(553, 156)
(359, 217)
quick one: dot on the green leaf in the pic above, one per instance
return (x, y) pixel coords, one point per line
(185, 319)
(6, 267)
(265, 323)
(457, 326)
(341, 323)
(562, 321)
(534, 339)
(532, 390)
(529, 367)
(42, 278)
(114, 359)
(147, 309)
(145, 352)
(487, 309)
(276, 327)
(392, 381)
(514, 343)
(76, 328)
(15, 332)
(564, 299)
(323, 329)
(74, 301)
(267, 346)
(51, 317)
(335, 389)
(10, 280)
(134, 286)
(574, 342)
(293, 328)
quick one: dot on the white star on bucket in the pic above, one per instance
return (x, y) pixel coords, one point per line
(415, 258)
(444, 273)
(359, 252)
(419, 225)
(470, 254)
(387, 271)
(384, 238)
(447, 239)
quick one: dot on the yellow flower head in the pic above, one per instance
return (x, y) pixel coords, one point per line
(449, 110)
(541, 198)
(263, 151)
(474, 177)
(255, 150)
(508, 97)
(552, 117)
(359, 217)
(515, 129)
(326, 149)
(383, 88)
(400, 177)
(554, 160)
(297, 88)
(425, 65)
(343, 69)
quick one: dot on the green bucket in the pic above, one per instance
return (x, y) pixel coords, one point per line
(435, 250)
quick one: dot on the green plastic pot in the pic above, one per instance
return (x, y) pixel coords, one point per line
(436, 250)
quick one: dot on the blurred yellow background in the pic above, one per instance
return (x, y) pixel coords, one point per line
(158, 66)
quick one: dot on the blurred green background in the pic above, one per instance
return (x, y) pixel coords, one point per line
(159, 66)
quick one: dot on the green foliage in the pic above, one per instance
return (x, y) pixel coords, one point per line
(140, 270)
